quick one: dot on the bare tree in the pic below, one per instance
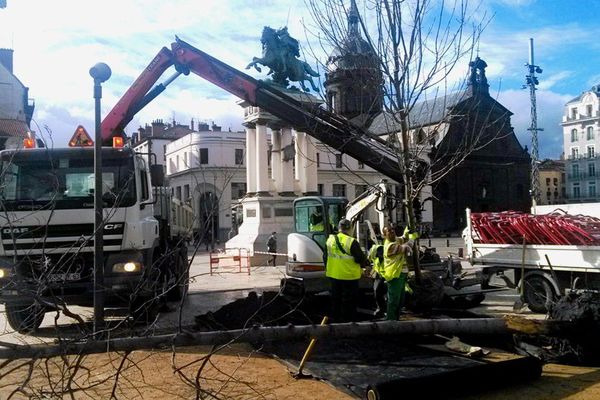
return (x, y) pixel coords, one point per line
(421, 48)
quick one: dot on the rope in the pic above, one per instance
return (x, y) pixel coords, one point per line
(271, 254)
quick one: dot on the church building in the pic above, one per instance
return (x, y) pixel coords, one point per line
(472, 156)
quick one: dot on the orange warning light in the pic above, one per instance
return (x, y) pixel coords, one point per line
(117, 142)
(28, 143)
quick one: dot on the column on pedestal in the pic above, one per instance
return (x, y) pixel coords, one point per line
(261, 151)
(287, 168)
(276, 167)
(311, 165)
(250, 159)
(301, 160)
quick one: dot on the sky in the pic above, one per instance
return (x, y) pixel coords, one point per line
(56, 43)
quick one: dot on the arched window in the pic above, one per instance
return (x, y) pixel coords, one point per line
(590, 133)
(574, 135)
(420, 136)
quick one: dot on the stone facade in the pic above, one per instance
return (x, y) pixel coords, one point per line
(552, 182)
(16, 109)
(581, 131)
(470, 152)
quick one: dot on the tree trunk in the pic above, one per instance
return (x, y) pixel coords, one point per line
(471, 326)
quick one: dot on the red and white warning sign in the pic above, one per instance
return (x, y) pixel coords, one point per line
(81, 138)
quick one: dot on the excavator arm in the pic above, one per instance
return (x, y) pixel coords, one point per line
(375, 195)
(329, 128)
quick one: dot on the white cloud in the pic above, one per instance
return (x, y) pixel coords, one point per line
(549, 81)
(56, 42)
(56, 45)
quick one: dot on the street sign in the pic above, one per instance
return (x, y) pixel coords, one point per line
(81, 138)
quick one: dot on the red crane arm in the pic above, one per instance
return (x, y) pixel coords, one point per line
(330, 129)
(122, 113)
(215, 71)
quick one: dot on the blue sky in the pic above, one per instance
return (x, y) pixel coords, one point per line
(56, 42)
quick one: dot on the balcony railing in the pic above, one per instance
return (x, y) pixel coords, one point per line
(586, 156)
(580, 117)
(581, 176)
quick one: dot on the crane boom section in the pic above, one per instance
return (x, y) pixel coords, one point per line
(327, 127)
(121, 114)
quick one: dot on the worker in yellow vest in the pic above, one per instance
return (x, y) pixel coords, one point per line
(316, 221)
(379, 285)
(395, 268)
(343, 268)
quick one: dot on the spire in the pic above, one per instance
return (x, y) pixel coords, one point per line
(353, 19)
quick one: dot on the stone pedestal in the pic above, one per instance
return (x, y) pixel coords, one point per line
(262, 216)
(268, 206)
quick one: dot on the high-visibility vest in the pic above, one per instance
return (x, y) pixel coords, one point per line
(394, 265)
(339, 265)
(318, 227)
(377, 263)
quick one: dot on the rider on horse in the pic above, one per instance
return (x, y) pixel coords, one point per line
(280, 53)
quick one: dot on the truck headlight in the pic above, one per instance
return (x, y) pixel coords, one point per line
(3, 273)
(127, 267)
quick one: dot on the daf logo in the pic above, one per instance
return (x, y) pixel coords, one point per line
(112, 227)
(14, 230)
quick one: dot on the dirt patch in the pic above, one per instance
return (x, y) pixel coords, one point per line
(236, 372)
(557, 382)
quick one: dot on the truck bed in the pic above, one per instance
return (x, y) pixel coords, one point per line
(580, 258)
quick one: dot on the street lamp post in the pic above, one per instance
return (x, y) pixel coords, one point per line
(100, 72)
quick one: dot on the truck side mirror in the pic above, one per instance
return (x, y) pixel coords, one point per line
(157, 175)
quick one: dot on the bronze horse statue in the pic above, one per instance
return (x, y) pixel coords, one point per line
(279, 53)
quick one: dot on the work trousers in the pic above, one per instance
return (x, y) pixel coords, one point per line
(343, 299)
(273, 259)
(395, 292)
(379, 292)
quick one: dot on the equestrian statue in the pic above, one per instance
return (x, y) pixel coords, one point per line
(280, 53)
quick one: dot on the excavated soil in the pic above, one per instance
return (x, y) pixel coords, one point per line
(235, 372)
(238, 372)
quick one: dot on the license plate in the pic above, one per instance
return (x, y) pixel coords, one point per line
(72, 276)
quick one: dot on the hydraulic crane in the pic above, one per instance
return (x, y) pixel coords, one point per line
(327, 127)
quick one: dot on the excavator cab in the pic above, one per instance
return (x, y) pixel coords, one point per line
(317, 217)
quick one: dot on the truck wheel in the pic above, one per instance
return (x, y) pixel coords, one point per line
(538, 294)
(180, 280)
(25, 318)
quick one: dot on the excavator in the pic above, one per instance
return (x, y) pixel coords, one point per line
(316, 217)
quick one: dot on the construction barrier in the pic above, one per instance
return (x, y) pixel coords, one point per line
(233, 260)
(557, 228)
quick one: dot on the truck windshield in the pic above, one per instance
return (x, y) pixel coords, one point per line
(63, 181)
